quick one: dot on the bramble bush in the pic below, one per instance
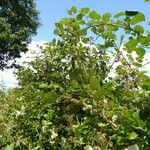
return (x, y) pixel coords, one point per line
(67, 99)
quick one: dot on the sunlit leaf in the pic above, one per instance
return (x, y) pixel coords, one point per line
(94, 83)
(10, 147)
(132, 136)
(101, 124)
(138, 18)
(94, 15)
(120, 14)
(139, 29)
(140, 51)
(85, 10)
(73, 9)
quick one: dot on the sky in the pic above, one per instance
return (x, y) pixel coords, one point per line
(51, 11)
(7, 77)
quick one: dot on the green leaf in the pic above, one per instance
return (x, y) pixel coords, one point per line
(138, 18)
(101, 124)
(94, 15)
(64, 21)
(131, 13)
(50, 97)
(137, 64)
(138, 128)
(120, 14)
(94, 83)
(99, 94)
(58, 25)
(85, 10)
(106, 17)
(131, 45)
(81, 128)
(56, 32)
(10, 147)
(140, 51)
(69, 12)
(146, 40)
(106, 88)
(83, 32)
(73, 9)
(79, 17)
(146, 0)
(139, 29)
(75, 84)
(85, 40)
(132, 136)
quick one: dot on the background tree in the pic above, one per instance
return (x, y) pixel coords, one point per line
(18, 22)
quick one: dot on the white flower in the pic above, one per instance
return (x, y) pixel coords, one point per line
(54, 135)
(21, 112)
(133, 147)
(114, 118)
(88, 147)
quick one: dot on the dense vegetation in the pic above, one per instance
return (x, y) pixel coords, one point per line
(18, 22)
(67, 99)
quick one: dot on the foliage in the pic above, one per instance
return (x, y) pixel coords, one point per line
(18, 22)
(146, 0)
(68, 100)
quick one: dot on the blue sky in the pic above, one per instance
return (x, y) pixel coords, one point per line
(52, 11)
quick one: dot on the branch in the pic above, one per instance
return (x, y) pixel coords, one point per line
(75, 101)
(114, 25)
(146, 63)
(108, 121)
(80, 103)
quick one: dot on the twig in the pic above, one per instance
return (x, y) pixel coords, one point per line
(108, 121)
(118, 52)
(75, 101)
(146, 63)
